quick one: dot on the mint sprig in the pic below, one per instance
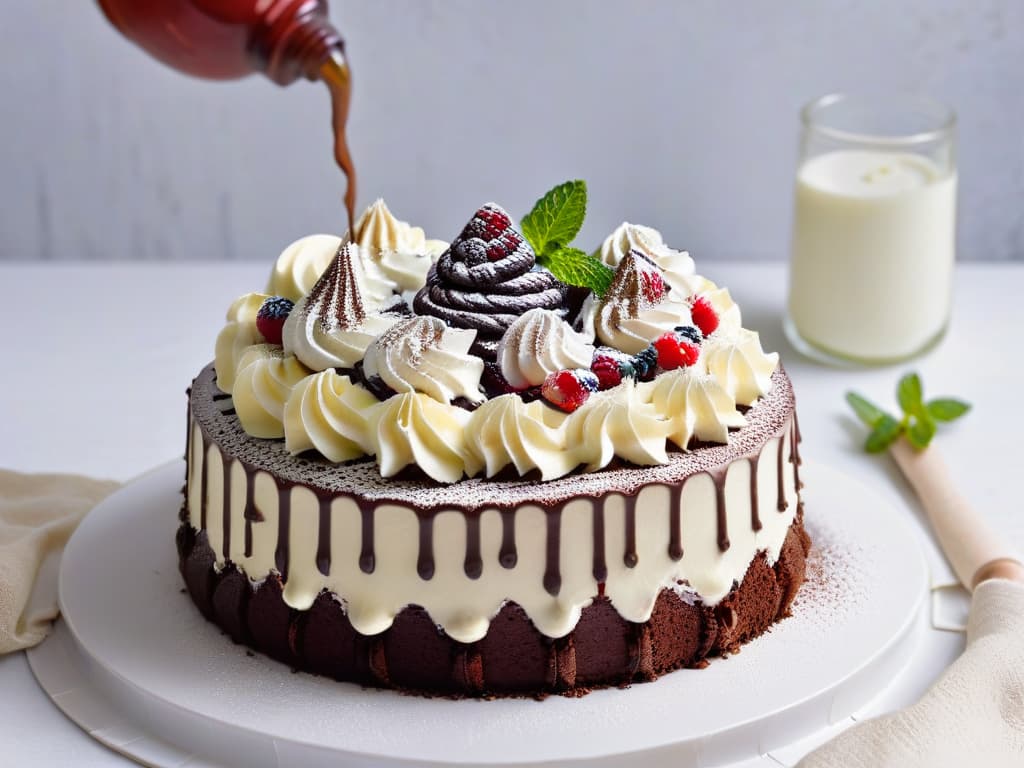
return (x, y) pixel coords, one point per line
(550, 228)
(919, 420)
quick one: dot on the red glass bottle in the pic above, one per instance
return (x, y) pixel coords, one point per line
(226, 39)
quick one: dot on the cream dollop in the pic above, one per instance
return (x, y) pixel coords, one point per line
(265, 379)
(300, 265)
(397, 251)
(618, 422)
(678, 266)
(332, 326)
(538, 343)
(414, 428)
(423, 354)
(740, 365)
(729, 320)
(631, 315)
(695, 405)
(505, 430)
(236, 337)
(327, 412)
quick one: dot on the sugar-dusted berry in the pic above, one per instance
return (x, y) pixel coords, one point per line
(704, 315)
(675, 351)
(645, 363)
(271, 316)
(611, 366)
(569, 389)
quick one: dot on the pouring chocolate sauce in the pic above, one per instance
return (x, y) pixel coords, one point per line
(228, 39)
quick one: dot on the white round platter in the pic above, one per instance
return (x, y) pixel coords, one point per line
(137, 667)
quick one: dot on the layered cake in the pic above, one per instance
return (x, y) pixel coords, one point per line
(439, 468)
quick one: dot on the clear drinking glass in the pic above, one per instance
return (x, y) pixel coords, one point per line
(874, 229)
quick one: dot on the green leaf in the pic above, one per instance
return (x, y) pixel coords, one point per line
(556, 217)
(947, 409)
(574, 267)
(883, 435)
(909, 393)
(921, 431)
(866, 411)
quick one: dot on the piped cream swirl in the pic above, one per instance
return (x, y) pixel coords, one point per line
(740, 365)
(620, 423)
(236, 337)
(678, 266)
(265, 379)
(328, 413)
(397, 251)
(412, 428)
(540, 342)
(422, 354)
(505, 430)
(695, 405)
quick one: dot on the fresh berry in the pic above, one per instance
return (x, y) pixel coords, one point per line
(488, 237)
(704, 315)
(487, 223)
(691, 332)
(611, 366)
(645, 363)
(652, 285)
(675, 351)
(569, 389)
(271, 316)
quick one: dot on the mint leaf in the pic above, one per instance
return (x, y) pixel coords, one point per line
(883, 435)
(866, 411)
(921, 431)
(947, 409)
(909, 393)
(556, 218)
(574, 267)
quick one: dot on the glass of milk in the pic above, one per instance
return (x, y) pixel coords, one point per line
(874, 229)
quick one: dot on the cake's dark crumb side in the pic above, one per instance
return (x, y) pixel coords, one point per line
(414, 655)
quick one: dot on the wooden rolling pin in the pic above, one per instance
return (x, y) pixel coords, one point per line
(972, 547)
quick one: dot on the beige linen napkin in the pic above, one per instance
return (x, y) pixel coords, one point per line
(37, 515)
(973, 715)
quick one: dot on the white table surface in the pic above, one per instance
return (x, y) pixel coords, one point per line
(98, 358)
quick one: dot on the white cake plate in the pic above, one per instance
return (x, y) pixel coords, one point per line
(136, 666)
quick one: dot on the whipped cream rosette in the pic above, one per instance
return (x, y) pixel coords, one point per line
(236, 337)
(678, 267)
(395, 251)
(540, 343)
(486, 279)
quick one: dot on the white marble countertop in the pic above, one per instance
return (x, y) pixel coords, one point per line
(99, 357)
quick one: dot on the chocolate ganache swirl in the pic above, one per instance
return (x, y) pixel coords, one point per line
(486, 279)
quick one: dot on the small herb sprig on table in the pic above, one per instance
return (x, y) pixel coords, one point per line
(550, 228)
(920, 417)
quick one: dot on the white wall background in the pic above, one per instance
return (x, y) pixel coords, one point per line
(682, 115)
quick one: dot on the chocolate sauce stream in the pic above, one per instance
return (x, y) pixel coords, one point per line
(552, 566)
(323, 543)
(425, 559)
(338, 78)
(367, 557)
(507, 555)
(630, 557)
(600, 569)
(473, 564)
(675, 533)
(284, 535)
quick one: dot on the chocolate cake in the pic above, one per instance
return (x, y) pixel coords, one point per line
(489, 492)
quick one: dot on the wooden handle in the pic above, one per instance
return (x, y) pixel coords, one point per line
(972, 547)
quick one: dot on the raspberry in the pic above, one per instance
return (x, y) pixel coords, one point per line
(611, 367)
(487, 223)
(645, 363)
(704, 315)
(271, 316)
(569, 389)
(675, 351)
(652, 286)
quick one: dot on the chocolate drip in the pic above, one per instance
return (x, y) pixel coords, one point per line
(552, 565)
(226, 516)
(675, 533)
(782, 504)
(284, 530)
(367, 556)
(630, 557)
(204, 474)
(755, 516)
(473, 564)
(250, 513)
(719, 476)
(323, 544)
(600, 565)
(425, 559)
(218, 396)
(507, 555)
(794, 453)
